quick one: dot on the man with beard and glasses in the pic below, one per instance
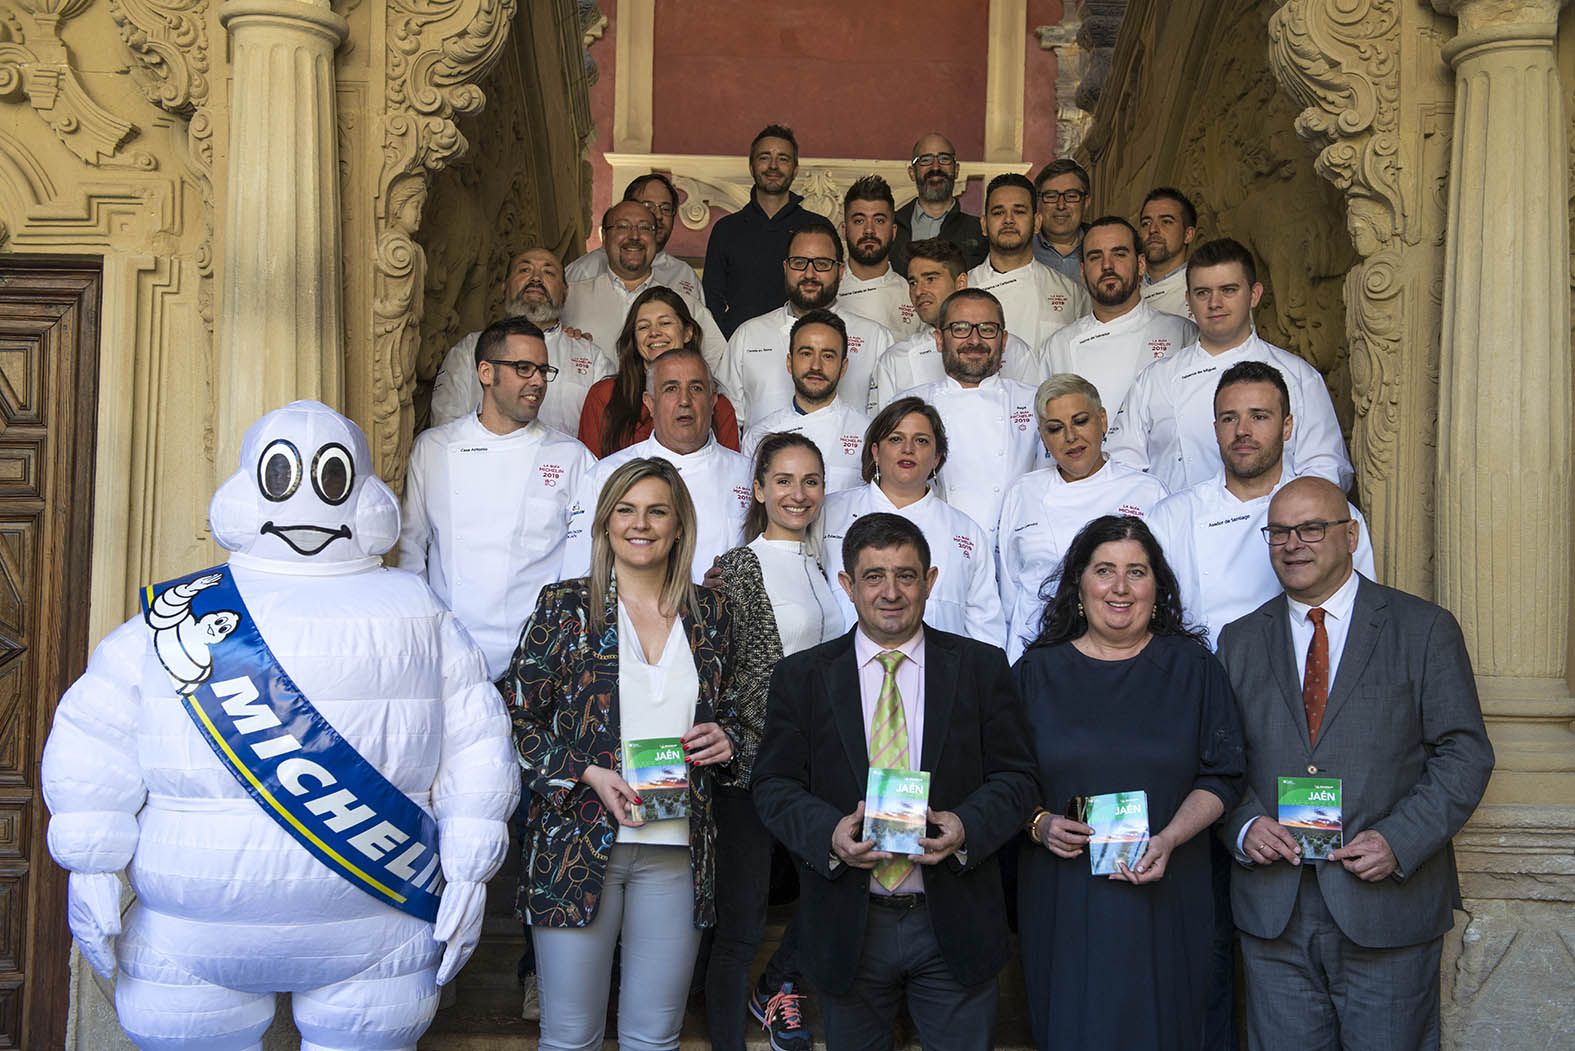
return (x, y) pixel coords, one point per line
(936, 270)
(992, 416)
(817, 358)
(1036, 299)
(533, 288)
(599, 304)
(746, 248)
(758, 351)
(1061, 188)
(870, 287)
(1170, 224)
(660, 197)
(1110, 346)
(935, 212)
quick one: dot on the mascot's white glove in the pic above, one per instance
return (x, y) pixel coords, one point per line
(458, 925)
(93, 913)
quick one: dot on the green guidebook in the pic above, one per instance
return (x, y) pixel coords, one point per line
(654, 768)
(1310, 812)
(894, 806)
(1120, 823)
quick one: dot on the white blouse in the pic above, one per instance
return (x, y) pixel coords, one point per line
(802, 601)
(655, 700)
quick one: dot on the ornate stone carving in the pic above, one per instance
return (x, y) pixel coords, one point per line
(169, 39)
(1071, 62)
(34, 63)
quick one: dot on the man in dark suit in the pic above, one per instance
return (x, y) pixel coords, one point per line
(1343, 678)
(935, 212)
(894, 693)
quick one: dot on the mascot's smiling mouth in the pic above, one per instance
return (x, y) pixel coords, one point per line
(327, 536)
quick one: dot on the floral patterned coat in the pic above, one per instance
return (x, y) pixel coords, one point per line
(562, 691)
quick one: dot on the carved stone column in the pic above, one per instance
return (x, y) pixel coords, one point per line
(280, 334)
(1504, 449)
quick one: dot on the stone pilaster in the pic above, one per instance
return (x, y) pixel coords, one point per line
(280, 334)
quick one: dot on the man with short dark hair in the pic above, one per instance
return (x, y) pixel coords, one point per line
(660, 197)
(877, 928)
(744, 253)
(811, 274)
(1169, 221)
(1164, 425)
(1339, 679)
(1061, 188)
(1112, 344)
(870, 287)
(1037, 300)
(935, 210)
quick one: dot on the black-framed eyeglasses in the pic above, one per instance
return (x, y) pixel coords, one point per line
(1306, 532)
(525, 369)
(625, 227)
(821, 263)
(924, 160)
(964, 329)
(1069, 196)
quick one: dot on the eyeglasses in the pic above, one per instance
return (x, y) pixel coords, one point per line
(964, 329)
(1306, 532)
(625, 227)
(1069, 196)
(822, 264)
(658, 209)
(525, 369)
(945, 160)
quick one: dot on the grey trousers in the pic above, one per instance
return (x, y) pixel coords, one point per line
(648, 899)
(901, 959)
(1314, 989)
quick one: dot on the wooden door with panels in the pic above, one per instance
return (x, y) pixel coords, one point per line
(49, 333)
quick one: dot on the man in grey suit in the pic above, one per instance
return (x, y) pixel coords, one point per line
(1340, 677)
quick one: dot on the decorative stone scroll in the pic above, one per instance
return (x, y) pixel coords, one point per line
(1071, 62)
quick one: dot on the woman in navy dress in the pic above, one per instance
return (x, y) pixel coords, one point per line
(1122, 697)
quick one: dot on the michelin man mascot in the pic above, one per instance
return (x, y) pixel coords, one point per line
(298, 761)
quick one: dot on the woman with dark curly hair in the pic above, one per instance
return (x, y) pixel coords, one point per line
(1122, 698)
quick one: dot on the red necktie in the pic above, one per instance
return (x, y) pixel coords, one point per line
(1315, 683)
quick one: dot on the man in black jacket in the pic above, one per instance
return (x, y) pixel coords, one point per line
(894, 694)
(743, 258)
(935, 211)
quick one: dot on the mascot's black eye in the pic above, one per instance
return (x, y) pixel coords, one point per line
(333, 473)
(279, 470)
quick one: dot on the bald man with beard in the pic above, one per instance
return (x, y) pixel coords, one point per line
(935, 210)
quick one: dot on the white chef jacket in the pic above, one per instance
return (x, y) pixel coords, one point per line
(1110, 354)
(917, 360)
(457, 390)
(965, 600)
(1035, 299)
(1169, 294)
(720, 483)
(1213, 543)
(1166, 425)
(884, 300)
(1042, 514)
(993, 439)
(668, 270)
(757, 358)
(484, 521)
(837, 431)
(599, 305)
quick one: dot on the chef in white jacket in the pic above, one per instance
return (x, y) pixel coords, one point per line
(870, 287)
(680, 395)
(660, 198)
(487, 496)
(534, 289)
(1166, 425)
(936, 269)
(1212, 531)
(1045, 509)
(905, 447)
(811, 274)
(1170, 224)
(1037, 300)
(1111, 345)
(816, 361)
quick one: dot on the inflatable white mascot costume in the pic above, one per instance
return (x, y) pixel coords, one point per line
(299, 762)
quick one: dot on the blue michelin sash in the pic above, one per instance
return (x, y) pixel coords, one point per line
(306, 777)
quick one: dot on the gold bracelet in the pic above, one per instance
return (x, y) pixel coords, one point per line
(1033, 825)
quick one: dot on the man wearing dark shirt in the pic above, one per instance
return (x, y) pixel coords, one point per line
(935, 211)
(743, 259)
